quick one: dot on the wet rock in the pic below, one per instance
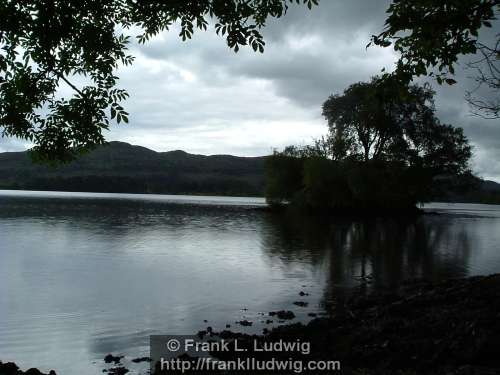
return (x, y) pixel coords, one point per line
(245, 323)
(110, 358)
(141, 359)
(118, 370)
(33, 371)
(228, 325)
(201, 334)
(9, 368)
(283, 314)
(302, 294)
(301, 303)
(269, 321)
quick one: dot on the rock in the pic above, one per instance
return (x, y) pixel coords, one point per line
(228, 325)
(141, 359)
(245, 323)
(33, 371)
(302, 294)
(301, 303)
(269, 321)
(118, 370)
(110, 358)
(283, 315)
(9, 368)
(312, 315)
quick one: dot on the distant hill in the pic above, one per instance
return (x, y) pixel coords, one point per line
(123, 168)
(484, 191)
(119, 167)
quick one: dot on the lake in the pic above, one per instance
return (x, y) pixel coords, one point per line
(85, 274)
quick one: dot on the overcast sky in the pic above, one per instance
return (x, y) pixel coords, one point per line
(201, 97)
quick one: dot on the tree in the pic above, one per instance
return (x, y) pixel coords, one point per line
(48, 42)
(359, 121)
(385, 149)
(382, 120)
(431, 35)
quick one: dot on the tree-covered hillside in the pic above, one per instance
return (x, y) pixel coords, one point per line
(122, 168)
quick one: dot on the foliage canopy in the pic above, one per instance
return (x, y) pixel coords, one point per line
(385, 149)
(431, 35)
(47, 42)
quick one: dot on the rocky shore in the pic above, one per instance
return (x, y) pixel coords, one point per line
(10, 368)
(445, 328)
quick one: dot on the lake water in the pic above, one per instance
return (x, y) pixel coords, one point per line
(84, 274)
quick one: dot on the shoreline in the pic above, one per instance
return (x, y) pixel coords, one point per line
(451, 327)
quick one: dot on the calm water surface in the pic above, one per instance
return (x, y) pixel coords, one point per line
(84, 274)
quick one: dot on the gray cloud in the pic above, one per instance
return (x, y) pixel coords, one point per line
(202, 97)
(13, 144)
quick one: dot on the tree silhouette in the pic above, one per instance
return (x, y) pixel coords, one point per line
(431, 35)
(48, 42)
(385, 149)
(386, 121)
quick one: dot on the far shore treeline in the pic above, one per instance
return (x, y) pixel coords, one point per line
(119, 167)
(384, 150)
(123, 168)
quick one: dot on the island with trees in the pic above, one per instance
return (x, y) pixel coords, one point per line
(385, 151)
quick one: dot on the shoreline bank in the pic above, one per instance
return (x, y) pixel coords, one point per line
(450, 327)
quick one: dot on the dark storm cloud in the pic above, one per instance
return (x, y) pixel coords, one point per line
(309, 54)
(483, 134)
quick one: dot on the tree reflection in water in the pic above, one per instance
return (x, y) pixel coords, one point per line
(372, 253)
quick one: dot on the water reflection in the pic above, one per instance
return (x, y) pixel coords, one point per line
(372, 253)
(82, 276)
